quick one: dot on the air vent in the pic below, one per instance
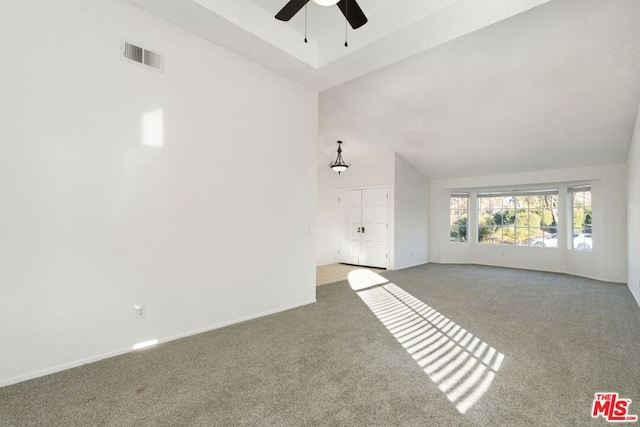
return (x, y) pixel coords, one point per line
(141, 56)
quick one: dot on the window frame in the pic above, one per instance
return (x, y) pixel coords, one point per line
(516, 209)
(587, 237)
(459, 195)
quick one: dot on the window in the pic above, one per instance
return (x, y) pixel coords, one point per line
(527, 218)
(458, 214)
(581, 217)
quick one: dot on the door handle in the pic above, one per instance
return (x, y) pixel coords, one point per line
(363, 229)
(358, 229)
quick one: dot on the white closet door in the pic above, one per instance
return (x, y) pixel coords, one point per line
(350, 226)
(375, 235)
(364, 230)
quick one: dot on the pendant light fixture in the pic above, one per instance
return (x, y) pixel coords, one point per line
(339, 165)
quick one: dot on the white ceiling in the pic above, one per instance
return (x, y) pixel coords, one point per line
(456, 87)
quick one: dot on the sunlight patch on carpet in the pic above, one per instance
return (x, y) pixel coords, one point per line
(363, 278)
(462, 365)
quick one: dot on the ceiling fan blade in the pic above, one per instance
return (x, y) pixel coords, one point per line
(290, 9)
(351, 10)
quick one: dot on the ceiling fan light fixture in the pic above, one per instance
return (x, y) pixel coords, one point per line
(349, 8)
(326, 2)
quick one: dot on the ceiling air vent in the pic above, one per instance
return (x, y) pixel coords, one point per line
(141, 56)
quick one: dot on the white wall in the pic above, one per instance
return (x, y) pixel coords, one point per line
(207, 230)
(328, 212)
(633, 213)
(607, 260)
(411, 215)
(370, 171)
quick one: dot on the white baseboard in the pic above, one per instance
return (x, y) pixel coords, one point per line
(600, 279)
(232, 322)
(75, 364)
(411, 265)
(636, 297)
(63, 367)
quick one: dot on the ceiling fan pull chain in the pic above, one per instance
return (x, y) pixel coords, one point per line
(346, 20)
(346, 43)
(305, 23)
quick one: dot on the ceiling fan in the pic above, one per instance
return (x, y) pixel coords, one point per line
(350, 9)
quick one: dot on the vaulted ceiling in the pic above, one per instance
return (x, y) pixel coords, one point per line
(456, 87)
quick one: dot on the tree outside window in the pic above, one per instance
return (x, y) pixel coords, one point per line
(525, 219)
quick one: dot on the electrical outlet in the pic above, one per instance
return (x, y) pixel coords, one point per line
(141, 311)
